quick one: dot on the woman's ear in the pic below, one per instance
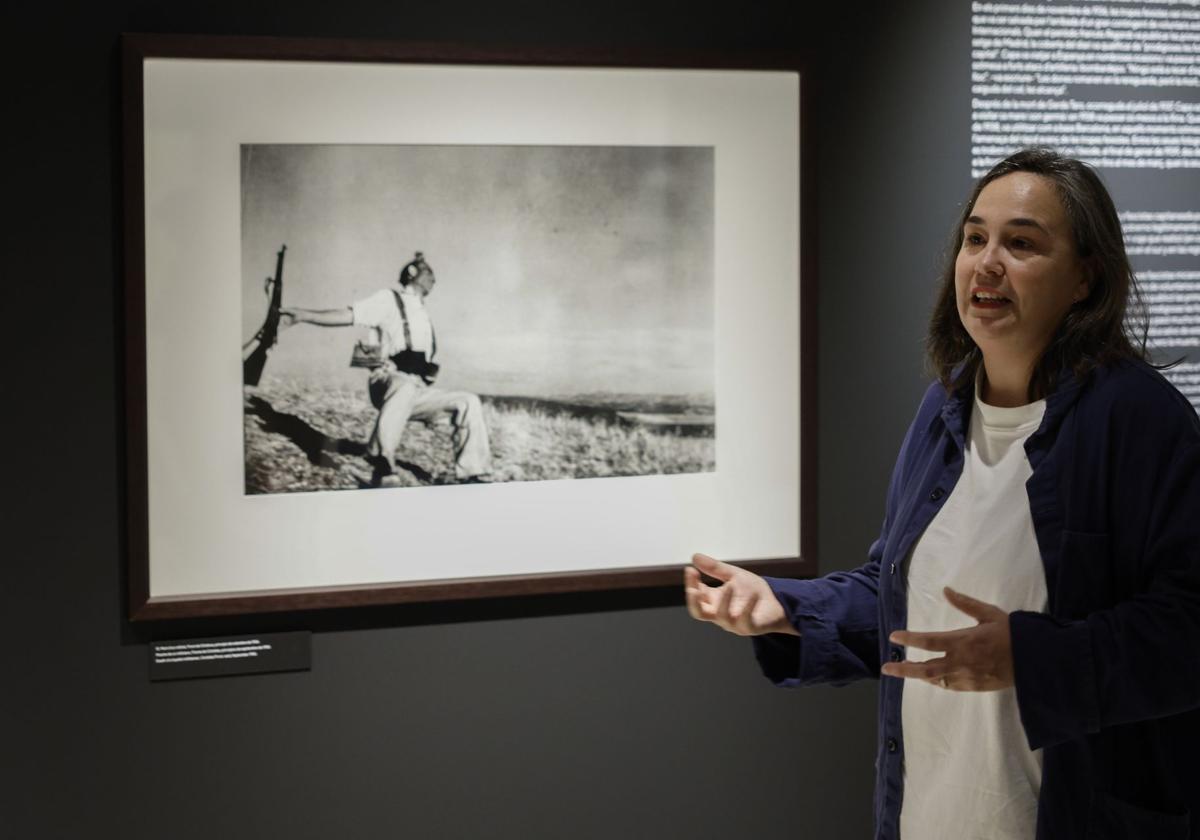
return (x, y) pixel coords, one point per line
(1084, 290)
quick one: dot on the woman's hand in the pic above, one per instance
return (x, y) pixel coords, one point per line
(287, 318)
(977, 658)
(743, 604)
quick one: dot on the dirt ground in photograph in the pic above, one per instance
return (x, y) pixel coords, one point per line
(302, 437)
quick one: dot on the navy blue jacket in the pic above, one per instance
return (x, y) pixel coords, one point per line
(1108, 680)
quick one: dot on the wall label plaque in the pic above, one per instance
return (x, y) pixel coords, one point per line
(228, 655)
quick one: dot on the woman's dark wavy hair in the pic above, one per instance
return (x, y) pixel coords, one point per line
(1108, 325)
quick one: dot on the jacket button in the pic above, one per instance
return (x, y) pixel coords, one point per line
(937, 493)
(892, 746)
(896, 654)
(892, 569)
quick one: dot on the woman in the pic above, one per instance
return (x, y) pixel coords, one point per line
(1041, 540)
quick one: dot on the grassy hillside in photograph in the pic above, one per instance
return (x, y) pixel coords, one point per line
(304, 437)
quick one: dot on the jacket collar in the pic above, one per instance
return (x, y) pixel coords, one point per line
(956, 411)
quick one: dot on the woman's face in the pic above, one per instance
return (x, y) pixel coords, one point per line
(1017, 273)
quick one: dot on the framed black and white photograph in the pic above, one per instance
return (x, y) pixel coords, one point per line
(572, 313)
(416, 323)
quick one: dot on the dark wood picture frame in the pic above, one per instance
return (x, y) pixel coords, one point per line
(136, 49)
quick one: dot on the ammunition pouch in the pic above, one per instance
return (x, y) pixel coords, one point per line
(413, 361)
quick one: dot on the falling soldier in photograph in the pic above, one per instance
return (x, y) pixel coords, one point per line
(401, 371)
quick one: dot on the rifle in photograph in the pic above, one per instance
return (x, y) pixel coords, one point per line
(252, 365)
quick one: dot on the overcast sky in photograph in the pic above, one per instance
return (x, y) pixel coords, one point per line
(560, 270)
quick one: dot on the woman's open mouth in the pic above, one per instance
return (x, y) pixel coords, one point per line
(988, 301)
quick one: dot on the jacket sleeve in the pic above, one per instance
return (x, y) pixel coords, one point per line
(1140, 657)
(837, 616)
(838, 620)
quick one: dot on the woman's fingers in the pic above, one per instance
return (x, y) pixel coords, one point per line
(724, 600)
(701, 599)
(734, 610)
(692, 593)
(714, 568)
(711, 603)
(739, 605)
(743, 615)
(930, 670)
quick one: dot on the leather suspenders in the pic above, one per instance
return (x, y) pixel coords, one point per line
(408, 331)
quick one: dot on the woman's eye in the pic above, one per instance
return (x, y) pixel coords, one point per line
(1020, 243)
(973, 239)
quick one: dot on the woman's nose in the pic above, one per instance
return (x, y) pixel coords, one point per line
(989, 261)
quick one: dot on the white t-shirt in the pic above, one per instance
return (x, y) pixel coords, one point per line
(968, 770)
(381, 312)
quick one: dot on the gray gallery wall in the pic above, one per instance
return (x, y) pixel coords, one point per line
(582, 717)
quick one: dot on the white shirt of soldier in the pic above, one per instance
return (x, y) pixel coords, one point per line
(968, 769)
(380, 312)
